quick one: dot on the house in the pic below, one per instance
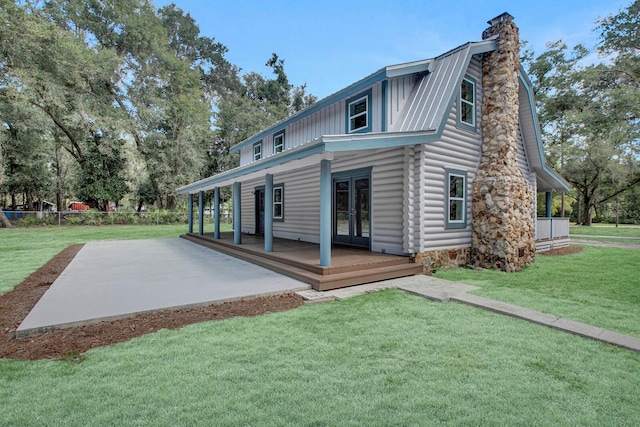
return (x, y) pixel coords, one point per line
(438, 160)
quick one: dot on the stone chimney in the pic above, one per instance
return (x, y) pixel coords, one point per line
(502, 225)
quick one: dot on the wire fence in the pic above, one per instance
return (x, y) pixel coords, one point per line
(92, 217)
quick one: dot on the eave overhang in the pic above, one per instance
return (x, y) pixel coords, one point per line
(310, 154)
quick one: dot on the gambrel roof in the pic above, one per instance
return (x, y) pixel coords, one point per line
(422, 121)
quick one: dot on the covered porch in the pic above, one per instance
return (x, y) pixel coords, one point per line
(302, 260)
(551, 232)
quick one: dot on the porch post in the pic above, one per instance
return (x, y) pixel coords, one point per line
(190, 213)
(325, 213)
(201, 213)
(216, 213)
(268, 213)
(548, 198)
(237, 237)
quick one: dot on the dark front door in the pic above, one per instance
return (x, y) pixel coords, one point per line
(260, 211)
(351, 199)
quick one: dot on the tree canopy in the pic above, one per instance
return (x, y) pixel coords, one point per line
(90, 87)
(589, 112)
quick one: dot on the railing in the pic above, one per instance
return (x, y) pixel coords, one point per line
(552, 228)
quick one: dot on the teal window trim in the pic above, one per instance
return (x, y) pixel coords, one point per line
(257, 151)
(456, 199)
(278, 203)
(278, 142)
(354, 115)
(467, 107)
(384, 102)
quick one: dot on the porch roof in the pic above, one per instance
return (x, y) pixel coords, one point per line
(311, 153)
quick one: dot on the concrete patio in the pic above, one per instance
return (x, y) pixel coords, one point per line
(111, 280)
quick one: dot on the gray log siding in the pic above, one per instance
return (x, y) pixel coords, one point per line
(523, 160)
(302, 202)
(457, 149)
(408, 204)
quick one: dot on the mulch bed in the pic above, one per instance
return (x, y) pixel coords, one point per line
(73, 342)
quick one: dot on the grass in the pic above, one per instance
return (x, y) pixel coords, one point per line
(23, 250)
(599, 286)
(606, 230)
(383, 359)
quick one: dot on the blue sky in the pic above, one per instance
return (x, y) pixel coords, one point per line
(330, 44)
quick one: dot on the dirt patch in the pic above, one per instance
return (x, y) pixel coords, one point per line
(568, 250)
(16, 304)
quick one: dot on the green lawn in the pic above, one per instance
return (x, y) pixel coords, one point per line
(606, 230)
(386, 358)
(599, 286)
(23, 250)
(382, 359)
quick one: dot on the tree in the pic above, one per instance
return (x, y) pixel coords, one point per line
(589, 114)
(27, 149)
(101, 179)
(52, 69)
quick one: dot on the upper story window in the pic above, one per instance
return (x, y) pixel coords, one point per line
(359, 113)
(456, 198)
(467, 105)
(257, 151)
(278, 142)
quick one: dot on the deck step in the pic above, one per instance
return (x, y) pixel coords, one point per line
(321, 280)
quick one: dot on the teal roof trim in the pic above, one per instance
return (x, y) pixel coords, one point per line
(353, 89)
(283, 157)
(526, 83)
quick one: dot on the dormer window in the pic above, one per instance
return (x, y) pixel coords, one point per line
(257, 151)
(359, 113)
(278, 142)
(467, 105)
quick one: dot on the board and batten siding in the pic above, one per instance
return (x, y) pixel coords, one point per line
(331, 120)
(457, 149)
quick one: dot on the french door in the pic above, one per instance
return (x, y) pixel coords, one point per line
(351, 210)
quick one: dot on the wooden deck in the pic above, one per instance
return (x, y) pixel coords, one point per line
(301, 260)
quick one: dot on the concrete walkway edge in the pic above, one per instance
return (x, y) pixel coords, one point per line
(443, 290)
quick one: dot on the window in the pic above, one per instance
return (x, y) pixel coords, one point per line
(467, 107)
(278, 203)
(278, 142)
(257, 151)
(456, 198)
(359, 113)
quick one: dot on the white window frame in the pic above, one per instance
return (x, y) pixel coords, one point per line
(279, 135)
(366, 97)
(463, 102)
(280, 188)
(257, 155)
(462, 222)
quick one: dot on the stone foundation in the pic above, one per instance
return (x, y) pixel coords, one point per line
(502, 225)
(437, 260)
